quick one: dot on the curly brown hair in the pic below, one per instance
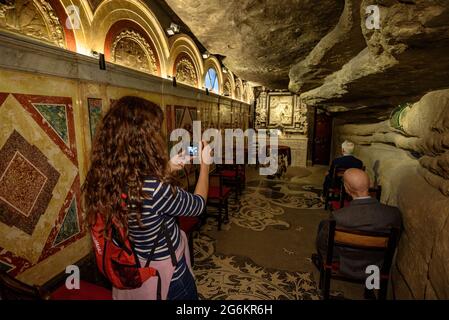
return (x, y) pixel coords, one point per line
(128, 147)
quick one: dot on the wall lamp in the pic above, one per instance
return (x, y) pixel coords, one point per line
(101, 59)
(224, 70)
(206, 55)
(173, 29)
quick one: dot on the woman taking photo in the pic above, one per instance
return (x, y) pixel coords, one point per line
(130, 163)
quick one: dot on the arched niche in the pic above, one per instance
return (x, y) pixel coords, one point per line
(183, 56)
(184, 70)
(228, 84)
(127, 44)
(238, 92)
(132, 14)
(213, 63)
(43, 20)
(249, 93)
(80, 16)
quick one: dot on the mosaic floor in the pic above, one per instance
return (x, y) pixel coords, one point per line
(263, 251)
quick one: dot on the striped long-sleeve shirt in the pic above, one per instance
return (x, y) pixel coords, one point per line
(163, 204)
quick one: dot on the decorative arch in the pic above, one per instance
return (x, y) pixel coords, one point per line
(249, 93)
(82, 30)
(43, 20)
(183, 49)
(112, 17)
(213, 63)
(129, 45)
(238, 93)
(229, 85)
(184, 70)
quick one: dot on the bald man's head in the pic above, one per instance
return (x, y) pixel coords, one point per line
(356, 182)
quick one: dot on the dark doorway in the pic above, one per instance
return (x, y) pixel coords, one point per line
(322, 138)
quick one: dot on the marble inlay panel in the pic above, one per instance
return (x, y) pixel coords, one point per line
(95, 114)
(26, 183)
(21, 184)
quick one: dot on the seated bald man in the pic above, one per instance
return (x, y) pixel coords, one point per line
(363, 214)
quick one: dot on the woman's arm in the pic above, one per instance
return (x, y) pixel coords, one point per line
(202, 185)
(183, 203)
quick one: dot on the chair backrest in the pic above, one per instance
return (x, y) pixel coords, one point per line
(363, 240)
(13, 289)
(337, 176)
(216, 181)
(376, 192)
(339, 171)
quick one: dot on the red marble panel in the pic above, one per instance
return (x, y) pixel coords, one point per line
(3, 97)
(24, 195)
(27, 102)
(49, 249)
(68, 33)
(21, 184)
(20, 264)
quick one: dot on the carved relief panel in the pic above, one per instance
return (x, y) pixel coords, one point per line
(185, 71)
(132, 50)
(227, 88)
(33, 18)
(281, 110)
(238, 92)
(261, 111)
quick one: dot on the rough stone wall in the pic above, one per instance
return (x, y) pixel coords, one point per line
(412, 165)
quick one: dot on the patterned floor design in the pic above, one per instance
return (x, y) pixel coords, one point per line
(266, 208)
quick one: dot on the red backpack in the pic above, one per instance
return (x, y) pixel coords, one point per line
(117, 260)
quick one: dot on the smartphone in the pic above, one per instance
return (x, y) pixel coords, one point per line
(193, 151)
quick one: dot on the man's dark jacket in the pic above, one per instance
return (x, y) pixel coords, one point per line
(363, 215)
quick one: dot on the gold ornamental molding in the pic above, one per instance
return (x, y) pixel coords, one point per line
(185, 72)
(33, 18)
(131, 50)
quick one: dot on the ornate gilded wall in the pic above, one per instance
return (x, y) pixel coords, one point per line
(51, 99)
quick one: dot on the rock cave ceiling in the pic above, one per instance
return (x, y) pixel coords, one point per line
(323, 49)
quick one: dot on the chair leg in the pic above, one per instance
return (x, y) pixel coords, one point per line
(320, 284)
(383, 289)
(327, 284)
(192, 255)
(226, 210)
(220, 218)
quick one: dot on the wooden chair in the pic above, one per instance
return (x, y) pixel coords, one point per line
(335, 187)
(234, 177)
(218, 196)
(13, 289)
(345, 198)
(360, 240)
(189, 224)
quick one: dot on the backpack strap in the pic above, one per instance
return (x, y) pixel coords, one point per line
(159, 286)
(163, 232)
